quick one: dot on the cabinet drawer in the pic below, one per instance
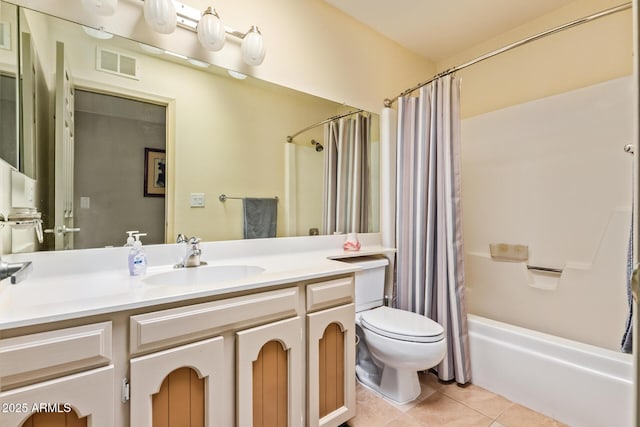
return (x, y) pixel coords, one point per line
(165, 328)
(48, 354)
(330, 293)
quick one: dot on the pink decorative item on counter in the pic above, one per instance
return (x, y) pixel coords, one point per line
(352, 243)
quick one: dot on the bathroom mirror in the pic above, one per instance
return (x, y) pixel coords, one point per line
(137, 108)
(9, 111)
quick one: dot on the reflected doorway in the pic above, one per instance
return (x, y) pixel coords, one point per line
(111, 135)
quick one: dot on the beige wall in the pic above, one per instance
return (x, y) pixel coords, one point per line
(594, 52)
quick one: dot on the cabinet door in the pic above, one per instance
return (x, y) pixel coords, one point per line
(269, 367)
(331, 377)
(179, 387)
(68, 401)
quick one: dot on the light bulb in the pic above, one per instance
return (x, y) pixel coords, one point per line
(160, 15)
(211, 31)
(101, 7)
(253, 49)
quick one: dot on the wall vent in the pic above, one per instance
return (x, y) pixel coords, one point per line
(110, 61)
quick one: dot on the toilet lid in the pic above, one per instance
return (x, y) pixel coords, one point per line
(401, 325)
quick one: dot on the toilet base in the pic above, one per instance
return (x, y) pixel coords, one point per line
(399, 386)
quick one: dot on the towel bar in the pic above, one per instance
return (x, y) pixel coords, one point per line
(544, 269)
(224, 198)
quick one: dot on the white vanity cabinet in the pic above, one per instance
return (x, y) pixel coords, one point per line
(331, 384)
(276, 356)
(59, 378)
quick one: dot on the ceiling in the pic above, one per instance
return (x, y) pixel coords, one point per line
(438, 29)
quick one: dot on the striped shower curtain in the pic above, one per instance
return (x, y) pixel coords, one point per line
(429, 272)
(347, 188)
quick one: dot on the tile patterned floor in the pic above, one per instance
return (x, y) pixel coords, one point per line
(445, 405)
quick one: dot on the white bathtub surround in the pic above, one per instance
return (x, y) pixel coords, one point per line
(72, 284)
(430, 270)
(552, 174)
(575, 383)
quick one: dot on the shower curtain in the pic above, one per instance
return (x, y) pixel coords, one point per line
(429, 269)
(346, 175)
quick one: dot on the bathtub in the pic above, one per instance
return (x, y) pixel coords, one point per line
(575, 383)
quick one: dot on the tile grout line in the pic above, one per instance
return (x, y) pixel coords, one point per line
(511, 403)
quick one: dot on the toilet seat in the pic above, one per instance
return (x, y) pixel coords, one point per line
(401, 325)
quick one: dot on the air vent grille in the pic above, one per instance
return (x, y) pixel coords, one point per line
(113, 62)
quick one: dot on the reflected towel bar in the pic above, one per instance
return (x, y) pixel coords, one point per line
(544, 269)
(224, 198)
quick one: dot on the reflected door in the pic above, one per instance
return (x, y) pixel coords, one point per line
(63, 228)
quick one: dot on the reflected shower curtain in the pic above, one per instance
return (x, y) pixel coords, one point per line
(429, 269)
(346, 175)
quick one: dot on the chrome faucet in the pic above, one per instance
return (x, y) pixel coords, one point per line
(18, 271)
(192, 255)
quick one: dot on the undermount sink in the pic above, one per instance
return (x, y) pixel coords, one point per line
(204, 275)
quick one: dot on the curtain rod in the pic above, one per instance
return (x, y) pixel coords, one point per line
(615, 9)
(339, 116)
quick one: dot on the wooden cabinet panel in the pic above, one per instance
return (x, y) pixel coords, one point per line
(70, 419)
(331, 369)
(269, 366)
(331, 366)
(270, 386)
(180, 401)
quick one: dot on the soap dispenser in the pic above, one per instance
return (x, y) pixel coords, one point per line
(137, 257)
(130, 238)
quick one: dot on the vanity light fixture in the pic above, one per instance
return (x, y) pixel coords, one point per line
(164, 15)
(210, 30)
(101, 7)
(253, 49)
(160, 15)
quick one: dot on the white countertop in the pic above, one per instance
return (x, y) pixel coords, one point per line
(51, 293)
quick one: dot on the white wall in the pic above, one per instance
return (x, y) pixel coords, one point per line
(552, 174)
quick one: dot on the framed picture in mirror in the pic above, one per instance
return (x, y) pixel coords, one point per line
(154, 172)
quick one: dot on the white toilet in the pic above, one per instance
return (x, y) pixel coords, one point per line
(394, 344)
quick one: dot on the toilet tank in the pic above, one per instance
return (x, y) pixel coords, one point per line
(369, 281)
